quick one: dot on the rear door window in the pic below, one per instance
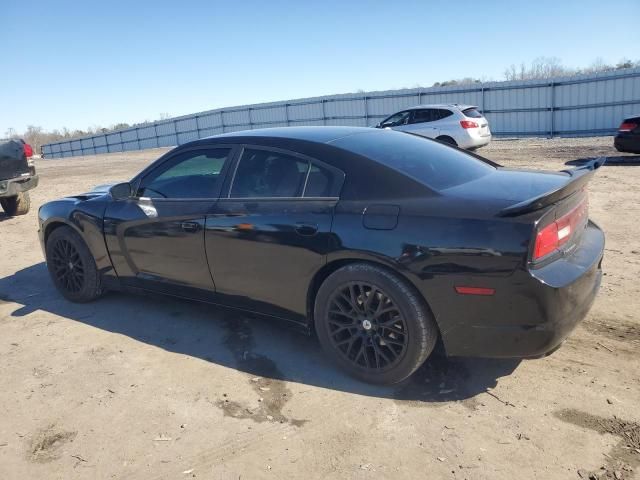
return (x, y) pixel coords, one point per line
(320, 182)
(267, 174)
(442, 113)
(472, 113)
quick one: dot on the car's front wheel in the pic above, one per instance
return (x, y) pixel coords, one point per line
(373, 324)
(71, 266)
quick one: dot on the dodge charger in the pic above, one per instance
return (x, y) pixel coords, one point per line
(380, 243)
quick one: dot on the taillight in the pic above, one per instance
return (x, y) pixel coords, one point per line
(28, 151)
(468, 124)
(627, 126)
(557, 233)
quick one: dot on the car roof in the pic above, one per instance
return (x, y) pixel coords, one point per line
(317, 134)
(442, 105)
(317, 142)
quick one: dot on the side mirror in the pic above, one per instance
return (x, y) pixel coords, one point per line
(121, 191)
(378, 125)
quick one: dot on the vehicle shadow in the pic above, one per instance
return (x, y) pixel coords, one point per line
(257, 346)
(612, 161)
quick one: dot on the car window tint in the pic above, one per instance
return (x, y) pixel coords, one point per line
(443, 113)
(472, 113)
(319, 183)
(194, 174)
(421, 116)
(429, 162)
(395, 120)
(261, 173)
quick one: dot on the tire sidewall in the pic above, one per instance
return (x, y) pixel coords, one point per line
(90, 288)
(416, 317)
(16, 204)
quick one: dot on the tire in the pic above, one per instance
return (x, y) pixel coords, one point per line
(16, 205)
(400, 324)
(78, 283)
(447, 140)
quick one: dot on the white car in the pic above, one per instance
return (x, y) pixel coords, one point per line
(460, 125)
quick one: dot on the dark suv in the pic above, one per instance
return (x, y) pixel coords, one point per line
(17, 176)
(628, 137)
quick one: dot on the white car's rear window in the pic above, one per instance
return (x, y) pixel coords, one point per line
(472, 113)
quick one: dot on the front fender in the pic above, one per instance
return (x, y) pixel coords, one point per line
(85, 216)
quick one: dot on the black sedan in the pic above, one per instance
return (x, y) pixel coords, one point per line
(628, 137)
(380, 242)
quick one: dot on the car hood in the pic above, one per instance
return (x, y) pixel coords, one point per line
(102, 188)
(97, 191)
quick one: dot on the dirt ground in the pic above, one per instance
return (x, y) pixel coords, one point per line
(154, 388)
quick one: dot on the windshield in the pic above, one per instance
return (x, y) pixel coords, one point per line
(429, 162)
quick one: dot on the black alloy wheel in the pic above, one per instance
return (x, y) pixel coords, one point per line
(72, 266)
(366, 326)
(67, 266)
(373, 323)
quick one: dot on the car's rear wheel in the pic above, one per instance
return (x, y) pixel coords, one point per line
(16, 205)
(71, 266)
(448, 140)
(373, 324)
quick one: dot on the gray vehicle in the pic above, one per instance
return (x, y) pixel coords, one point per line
(459, 125)
(17, 176)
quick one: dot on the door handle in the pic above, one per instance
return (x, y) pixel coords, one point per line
(306, 229)
(190, 226)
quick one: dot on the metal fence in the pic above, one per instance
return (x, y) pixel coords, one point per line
(584, 105)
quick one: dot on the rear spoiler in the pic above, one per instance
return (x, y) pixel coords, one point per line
(578, 178)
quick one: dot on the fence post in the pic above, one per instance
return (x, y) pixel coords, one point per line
(138, 138)
(250, 121)
(553, 106)
(286, 112)
(155, 131)
(197, 126)
(366, 112)
(324, 113)
(222, 120)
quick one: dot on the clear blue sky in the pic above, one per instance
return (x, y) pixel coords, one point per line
(81, 63)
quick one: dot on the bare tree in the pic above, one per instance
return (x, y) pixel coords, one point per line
(548, 67)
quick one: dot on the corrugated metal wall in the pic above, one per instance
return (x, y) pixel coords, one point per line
(568, 106)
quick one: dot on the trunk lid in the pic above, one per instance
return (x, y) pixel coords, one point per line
(474, 114)
(13, 162)
(517, 192)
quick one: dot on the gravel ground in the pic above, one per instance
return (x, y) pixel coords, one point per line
(145, 387)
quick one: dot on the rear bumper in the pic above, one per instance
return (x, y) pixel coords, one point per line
(532, 312)
(471, 140)
(10, 188)
(627, 142)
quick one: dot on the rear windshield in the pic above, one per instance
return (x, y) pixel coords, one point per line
(472, 113)
(435, 165)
